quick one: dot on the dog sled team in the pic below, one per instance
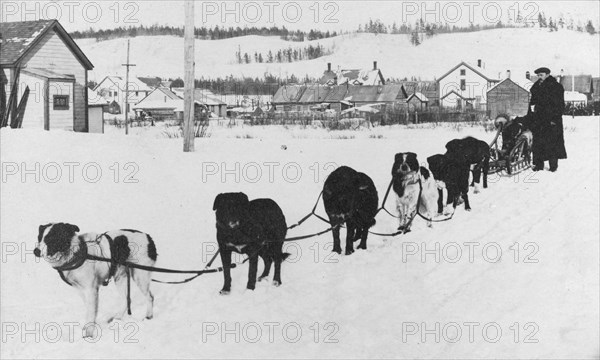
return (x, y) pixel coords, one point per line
(258, 228)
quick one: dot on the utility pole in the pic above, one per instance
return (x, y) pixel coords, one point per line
(128, 65)
(188, 98)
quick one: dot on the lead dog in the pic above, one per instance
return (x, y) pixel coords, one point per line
(65, 250)
(413, 185)
(256, 228)
(350, 197)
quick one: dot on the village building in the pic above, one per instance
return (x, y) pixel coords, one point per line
(335, 97)
(165, 104)
(465, 86)
(96, 106)
(581, 84)
(113, 89)
(417, 102)
(54, 69)
(507, 97)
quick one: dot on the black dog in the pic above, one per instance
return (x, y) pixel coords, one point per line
(472, 152)
(455, 177)
(256, 228)
(350, 197)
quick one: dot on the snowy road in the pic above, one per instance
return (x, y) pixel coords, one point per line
(517, 277)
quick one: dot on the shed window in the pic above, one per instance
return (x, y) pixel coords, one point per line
(463, 84)
(463, 72)
(60, 102)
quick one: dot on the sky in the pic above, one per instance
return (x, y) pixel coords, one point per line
(304, 15)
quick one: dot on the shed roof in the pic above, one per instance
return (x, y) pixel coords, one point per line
(18, 38)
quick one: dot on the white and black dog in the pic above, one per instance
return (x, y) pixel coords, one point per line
(66, 251)
(413, 184)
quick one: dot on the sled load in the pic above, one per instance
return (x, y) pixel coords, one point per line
(510, 150)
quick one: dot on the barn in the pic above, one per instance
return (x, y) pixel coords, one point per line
(507, 97)
(55, 70)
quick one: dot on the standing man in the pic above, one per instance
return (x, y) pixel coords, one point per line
(544, 118)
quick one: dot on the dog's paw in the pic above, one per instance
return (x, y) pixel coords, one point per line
(250, 287)
(276, 283)
(364, 247)
(468, 208)
(224, 292)
(337, 250)
(349, 251)
(149, 317)
(261, 278)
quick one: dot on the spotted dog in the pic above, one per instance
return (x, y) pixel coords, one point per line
(65, 250)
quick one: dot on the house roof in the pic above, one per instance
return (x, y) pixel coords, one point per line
(374, 93)
(289, 93)
(337, 93)
(427, 88)
(172, 102)
(419, 96)
(152, 82)
(135, 84)
(323, 93)
(458, 95)
(575, 96)
(475, 69)
(18, 38)
(583, 83)
(514, 83)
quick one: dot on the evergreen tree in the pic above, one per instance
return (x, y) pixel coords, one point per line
(590, 28)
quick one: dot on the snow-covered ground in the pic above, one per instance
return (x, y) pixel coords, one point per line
(517, 277)
(515, 49)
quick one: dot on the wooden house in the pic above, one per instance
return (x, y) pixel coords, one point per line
(55, 70)
(507, 97)
(113, 89)
(417, 102)
(582, 84)
(465, 84)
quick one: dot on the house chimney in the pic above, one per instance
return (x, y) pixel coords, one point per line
(508, 74)
(374, 65)
(328, 66)
(478, 63)
(527, 75)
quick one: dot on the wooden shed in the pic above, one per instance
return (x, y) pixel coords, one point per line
(55, 70)
(507, 97)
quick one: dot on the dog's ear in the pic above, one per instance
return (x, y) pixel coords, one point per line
(41, 230)
(411, 160)
(75, 228)
(424, 172)
(244, 198)
(397, 161)
(453, 145)
(217, 202)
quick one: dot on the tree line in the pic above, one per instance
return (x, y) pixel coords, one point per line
(283, 55)
(422, 30)
(203, 33)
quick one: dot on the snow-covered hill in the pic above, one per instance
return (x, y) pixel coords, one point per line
(515, 49)
(517, 277)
